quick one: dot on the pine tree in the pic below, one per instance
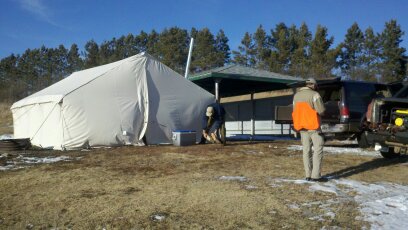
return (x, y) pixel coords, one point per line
(371, 56)
(91, 54)
(172, 48)
(130, 45)
(141, 41)
(352, 52)
(246, 53)
(120, 51)
(10, 87)
(28, 74)
(107, 52)
(300, 58)
(152, 43)
(60, 58)
(74, 60)
(280, 55)
(8, 69)
(322, 58)
(393, 56)
(222, 48)
(204, 51)
(262, 48)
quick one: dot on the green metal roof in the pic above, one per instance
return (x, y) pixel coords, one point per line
(239, 80)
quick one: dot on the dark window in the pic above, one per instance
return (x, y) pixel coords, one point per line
(330, 94)
(359, 95)
(403, 93)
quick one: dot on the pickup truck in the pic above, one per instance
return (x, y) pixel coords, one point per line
(386, 124)
(346, 103)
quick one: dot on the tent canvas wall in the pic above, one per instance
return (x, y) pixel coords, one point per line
(113, 104)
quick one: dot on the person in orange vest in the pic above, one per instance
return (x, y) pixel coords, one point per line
(307, 108)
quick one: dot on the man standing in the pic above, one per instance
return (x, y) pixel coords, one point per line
(214, 124)
(307, 108)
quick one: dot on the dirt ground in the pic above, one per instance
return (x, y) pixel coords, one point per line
(194, 187)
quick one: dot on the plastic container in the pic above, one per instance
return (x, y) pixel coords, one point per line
(184, 137)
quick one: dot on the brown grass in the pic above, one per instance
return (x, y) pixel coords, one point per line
(124, 188)
(6, 119)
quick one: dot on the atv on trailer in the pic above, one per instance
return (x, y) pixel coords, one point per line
(386, 124)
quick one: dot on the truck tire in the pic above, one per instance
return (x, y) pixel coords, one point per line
(390, 154)
(362, 141)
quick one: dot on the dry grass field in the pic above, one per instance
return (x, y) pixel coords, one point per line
(194, 187)
(6, 119)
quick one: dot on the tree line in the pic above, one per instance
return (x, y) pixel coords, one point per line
(363, 55)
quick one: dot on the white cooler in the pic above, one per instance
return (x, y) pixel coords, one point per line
(184, 137)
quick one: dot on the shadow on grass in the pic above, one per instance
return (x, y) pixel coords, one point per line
(366, 166)
(243, 143)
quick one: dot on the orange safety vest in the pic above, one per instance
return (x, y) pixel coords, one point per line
(304, 117)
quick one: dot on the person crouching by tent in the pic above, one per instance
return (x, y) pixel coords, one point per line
(214, 124)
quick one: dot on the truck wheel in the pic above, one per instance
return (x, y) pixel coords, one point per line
(390, 154)
(362, 141)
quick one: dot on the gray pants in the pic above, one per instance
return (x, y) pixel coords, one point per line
(312, 162)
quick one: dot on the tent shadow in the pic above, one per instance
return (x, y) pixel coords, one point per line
(366, 166)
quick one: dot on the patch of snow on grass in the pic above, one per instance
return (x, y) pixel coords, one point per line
(158, 217)
(294, 206)
(340, 150)
(291, 181)
(22, 162)
(233, 178)
(45, 160)
(384, 205)
(252, 152)
(7, 167)
(326, 187)
(250, 187)
(6, 136)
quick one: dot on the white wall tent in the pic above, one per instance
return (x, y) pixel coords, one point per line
(111, 105)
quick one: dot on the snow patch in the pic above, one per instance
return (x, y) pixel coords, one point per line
(233, 178)
(6, 136)
(384, 205)
(327, 187)
(22, 161)
(158, 217)
(340, 150)
(9, 167)
(252, 152)
(250, 187)
(45, 160)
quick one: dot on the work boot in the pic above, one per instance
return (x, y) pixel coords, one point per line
(321, 179)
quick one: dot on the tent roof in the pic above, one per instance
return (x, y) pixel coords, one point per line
(57, 91)
(238, 80)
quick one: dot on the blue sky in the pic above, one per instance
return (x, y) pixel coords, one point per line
(32, 23)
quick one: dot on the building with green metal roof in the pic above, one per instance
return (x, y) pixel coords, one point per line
(234, 80)
(253, 116)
